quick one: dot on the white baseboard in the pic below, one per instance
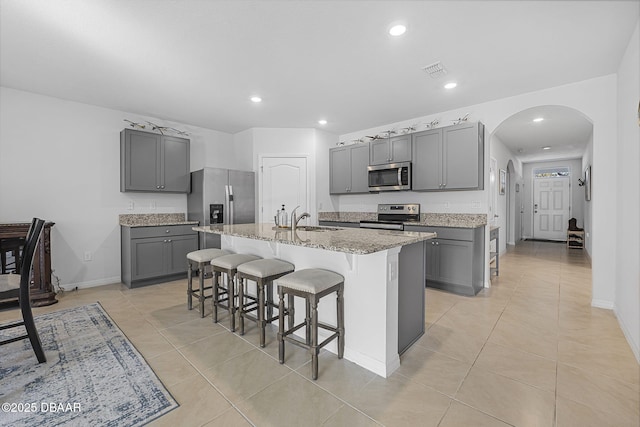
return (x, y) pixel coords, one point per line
(91, 283)
(600, 303)
(634, 346)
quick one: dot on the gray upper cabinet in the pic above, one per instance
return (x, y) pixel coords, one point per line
(427, 160)
(449, 158)
(463, 151)
(348, 169)
(175, 164)
(390, 150)
(151, 162)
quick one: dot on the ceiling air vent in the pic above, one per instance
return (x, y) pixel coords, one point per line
(435, 70)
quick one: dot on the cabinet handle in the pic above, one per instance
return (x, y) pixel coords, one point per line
(169, 241)
(158, 187)
(437, 243)
(164, 241)
(162, 186)
(167, 231)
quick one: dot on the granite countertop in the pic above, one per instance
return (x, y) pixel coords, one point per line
(457, 220)
(349, 240)
(154, 220)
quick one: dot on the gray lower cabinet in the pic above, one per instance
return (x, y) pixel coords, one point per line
(390, 150)
(449, 158)
(151, 162)
(455, 259)
(155, 254)
(348, 169)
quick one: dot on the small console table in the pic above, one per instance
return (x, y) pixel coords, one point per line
(494, 257)
(42, 290)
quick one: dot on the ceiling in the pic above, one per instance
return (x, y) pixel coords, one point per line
(565, 131)
(199, 62)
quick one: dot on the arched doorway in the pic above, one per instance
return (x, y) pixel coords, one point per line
(542, 135)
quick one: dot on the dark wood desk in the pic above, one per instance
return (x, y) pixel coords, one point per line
(42, 290)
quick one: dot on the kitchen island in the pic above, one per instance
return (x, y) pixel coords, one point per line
(384, 281)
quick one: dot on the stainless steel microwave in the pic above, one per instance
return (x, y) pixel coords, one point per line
(390, 177)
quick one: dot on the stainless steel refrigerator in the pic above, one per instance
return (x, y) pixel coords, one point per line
(221, 196)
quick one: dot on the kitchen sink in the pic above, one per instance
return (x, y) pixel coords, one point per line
(316, 228)
(307, 228)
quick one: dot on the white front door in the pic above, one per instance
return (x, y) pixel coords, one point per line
(283, 181)
(551, 208)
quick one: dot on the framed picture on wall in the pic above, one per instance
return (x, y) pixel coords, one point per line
(587, 183)
(503, 182)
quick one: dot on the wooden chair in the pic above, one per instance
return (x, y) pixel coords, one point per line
(7, 287)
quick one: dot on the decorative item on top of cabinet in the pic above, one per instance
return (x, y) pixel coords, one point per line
(449, 158)
(348, 169)
(150, 162)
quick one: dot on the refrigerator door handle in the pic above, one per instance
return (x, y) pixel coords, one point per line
(226, 204)
(231, 210)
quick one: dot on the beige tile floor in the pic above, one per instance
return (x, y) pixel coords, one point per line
(530, 351)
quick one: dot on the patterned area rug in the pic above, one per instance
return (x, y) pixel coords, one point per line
(93, 375)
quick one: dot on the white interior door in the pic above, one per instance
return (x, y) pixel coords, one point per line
(283, 182)
(551, 208)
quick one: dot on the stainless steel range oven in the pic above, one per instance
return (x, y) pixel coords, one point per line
(393, 217)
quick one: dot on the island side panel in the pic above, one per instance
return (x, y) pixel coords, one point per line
(411, 295)
(370, 295)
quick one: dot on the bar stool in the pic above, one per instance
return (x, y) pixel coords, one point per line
(310, 284)
(225, 297)
(263, 272)
(200, 260)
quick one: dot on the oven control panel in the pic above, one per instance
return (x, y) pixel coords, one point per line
(405, 209)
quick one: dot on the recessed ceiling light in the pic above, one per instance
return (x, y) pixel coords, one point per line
(397, 30)
(538, 119)
(450, 85)
(256, 99)
(322, 122)
(546, 148)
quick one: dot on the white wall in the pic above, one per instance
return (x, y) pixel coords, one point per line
(587, 160)
(287, 142)
(60, 161)
(577, 192)
(503, 156)
(324, 202)
(627, 288)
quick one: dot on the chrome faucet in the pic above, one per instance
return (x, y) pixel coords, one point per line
(295, 221)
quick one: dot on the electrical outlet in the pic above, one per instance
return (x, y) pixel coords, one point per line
(131, 205)
(446, 205)
(475, 205)
(88, 256)
(153, 204)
